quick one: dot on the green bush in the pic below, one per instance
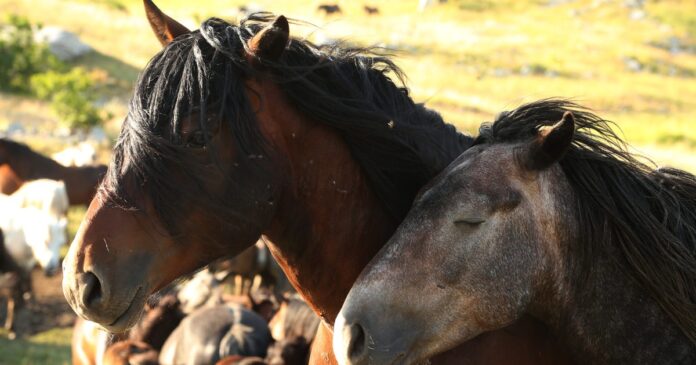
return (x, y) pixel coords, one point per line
(21, 57)
(30, 68)
(71, 95)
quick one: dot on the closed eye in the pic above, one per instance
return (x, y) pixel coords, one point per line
(469, 222)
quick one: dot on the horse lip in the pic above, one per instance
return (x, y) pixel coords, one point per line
(121, 323)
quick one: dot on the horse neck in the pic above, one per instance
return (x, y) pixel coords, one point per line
(329, 223)
(80, 182)
(30, 165)
(606, 317)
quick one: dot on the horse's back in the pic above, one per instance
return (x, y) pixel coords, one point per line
(211, 333)
(48, 195)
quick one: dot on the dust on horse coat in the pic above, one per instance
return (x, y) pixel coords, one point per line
(211, 333)
(20, 164)
(34, 222)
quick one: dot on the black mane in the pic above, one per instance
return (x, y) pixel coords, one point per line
(399, 144)
(648, 216)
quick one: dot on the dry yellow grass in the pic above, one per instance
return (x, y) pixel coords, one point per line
(467, 59)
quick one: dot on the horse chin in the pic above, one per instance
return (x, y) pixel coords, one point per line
(130, 316)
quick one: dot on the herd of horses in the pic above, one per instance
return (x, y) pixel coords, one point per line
(542, 240)
(35, 193)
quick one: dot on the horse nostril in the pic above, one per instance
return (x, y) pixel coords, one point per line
(356, 342)
(90, 289)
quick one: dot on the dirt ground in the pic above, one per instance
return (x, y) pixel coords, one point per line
(46, 309)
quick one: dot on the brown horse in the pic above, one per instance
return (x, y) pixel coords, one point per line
(15, 285)
(19, 163)
(130, 352)
(240, 131)
(537, 218)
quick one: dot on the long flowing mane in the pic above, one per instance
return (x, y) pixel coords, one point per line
(399, 144)
(648, 216)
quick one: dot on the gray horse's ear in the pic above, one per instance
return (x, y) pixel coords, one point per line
(552, 142)
(271, 41)
(166, 29)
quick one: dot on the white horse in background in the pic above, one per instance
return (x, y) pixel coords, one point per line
(34, 221)
(83, 154)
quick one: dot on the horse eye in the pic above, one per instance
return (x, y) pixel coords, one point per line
(469, 222)
(197, 139)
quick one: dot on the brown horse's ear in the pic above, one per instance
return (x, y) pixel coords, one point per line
(552, 142)
(165, 28)
(270, 42)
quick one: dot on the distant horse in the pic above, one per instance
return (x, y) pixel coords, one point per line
(241, 360)
(294, 318)
(130, 352)
(211, 333)
(19, 164)
(14, 283)
(34, 222)
(549, 215)
(90, 343)
(80, 155)
(158, 322)
(289, 351)
(255, 133)
(293, 327)
(329, 9)
(371, 10)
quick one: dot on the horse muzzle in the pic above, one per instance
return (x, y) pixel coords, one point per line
(99, 300)
(362, 340)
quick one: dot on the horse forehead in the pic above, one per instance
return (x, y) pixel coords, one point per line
(486, 168)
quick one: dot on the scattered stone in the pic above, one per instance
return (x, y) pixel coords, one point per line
(637, 14)
(632, 64)
(63, 44)
(634, 4)
(98, 135)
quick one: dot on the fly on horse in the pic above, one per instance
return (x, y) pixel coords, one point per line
(238, 131)
(19, 164)
(548, 215)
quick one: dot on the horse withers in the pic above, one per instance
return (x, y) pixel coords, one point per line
(547, 215)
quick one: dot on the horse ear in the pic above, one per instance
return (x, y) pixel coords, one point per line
(271, 41)
(165, 28)
(552, 142)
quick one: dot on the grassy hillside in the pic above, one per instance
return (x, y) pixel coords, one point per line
(467, 59)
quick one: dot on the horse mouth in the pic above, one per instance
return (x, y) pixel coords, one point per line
(130, 315)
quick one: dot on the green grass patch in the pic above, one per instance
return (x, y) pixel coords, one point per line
(677, 139)
(47, 348)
